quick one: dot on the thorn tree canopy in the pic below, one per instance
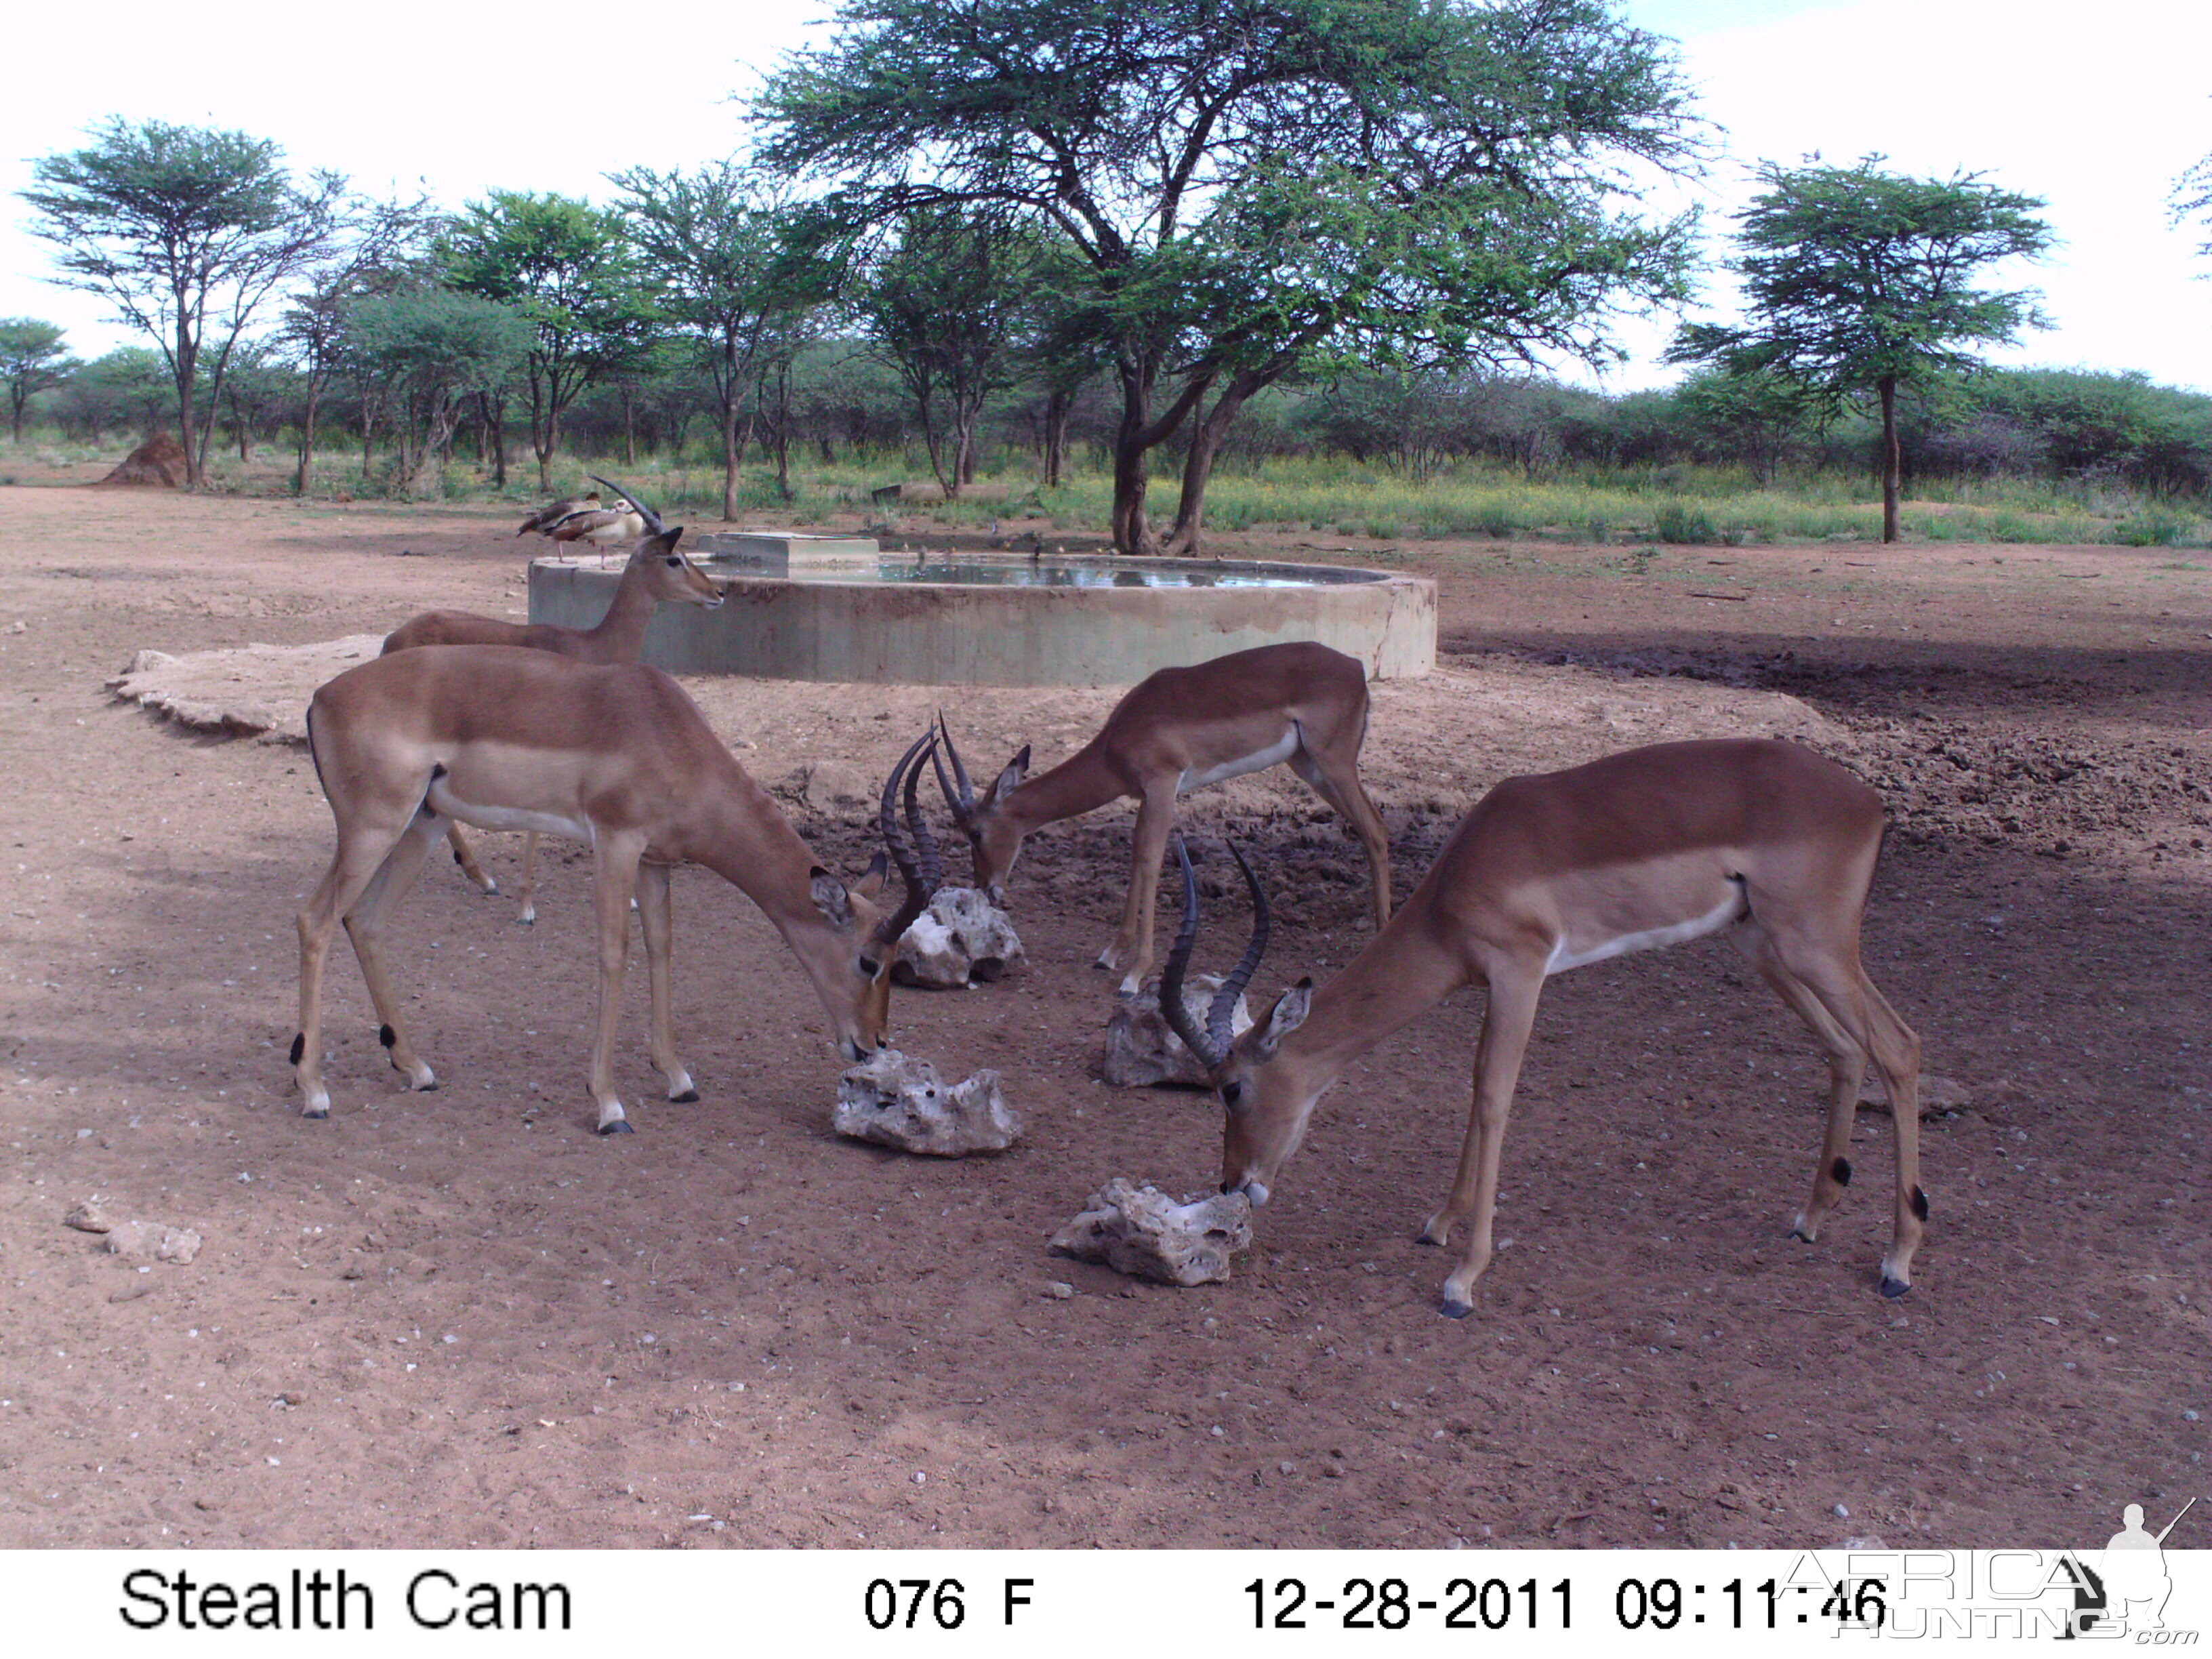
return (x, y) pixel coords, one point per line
(1858, 281)
(1253, 185)
(32, 359)
(566, 266)
(185, 231)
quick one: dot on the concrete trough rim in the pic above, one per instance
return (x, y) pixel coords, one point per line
(940, 633)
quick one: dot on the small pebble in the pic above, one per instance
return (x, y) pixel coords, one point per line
(1841, 1513)
(1058, 1291)
(2189, 1416)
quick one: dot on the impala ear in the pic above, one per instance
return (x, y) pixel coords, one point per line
(1285, 1017)
(1011, 779)
(871, 883)
(831, 899)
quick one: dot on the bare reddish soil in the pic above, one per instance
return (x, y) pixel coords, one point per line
(461, 1318)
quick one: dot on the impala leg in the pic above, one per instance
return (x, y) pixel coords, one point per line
(656, 910)
(1852, 1002)
(1339, 785)
(1505, 1028)
(529, 879)
(361, 853)
(364, 924)
(614, 878)
(1847, 1060)
(1131, 952)
(467, 860)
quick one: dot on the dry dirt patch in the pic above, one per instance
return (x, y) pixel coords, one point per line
(461, 1317)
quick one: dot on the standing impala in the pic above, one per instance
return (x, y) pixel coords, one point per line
(657, 574)
(1759, 839)
(1177, 731)
(618, 757)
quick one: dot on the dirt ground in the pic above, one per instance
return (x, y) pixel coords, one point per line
(461, 1318)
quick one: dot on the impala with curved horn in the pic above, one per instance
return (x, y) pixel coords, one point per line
(616, 756)
(657, 574)
(1758, 839)
(1298, 703)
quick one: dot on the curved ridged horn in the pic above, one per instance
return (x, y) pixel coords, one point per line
(961, 800)
(653, 523)
(1171, 1006)
(892, 928)
(917, 824)
(1224, 1007)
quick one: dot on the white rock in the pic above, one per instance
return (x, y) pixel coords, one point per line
(962, 938)
(88, 1216)
(1141, 1051)
(153, 1241)
(897, 1101)
(1937, 1094)
(1142, 1232)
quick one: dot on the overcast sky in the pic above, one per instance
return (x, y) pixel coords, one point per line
(2096, 108)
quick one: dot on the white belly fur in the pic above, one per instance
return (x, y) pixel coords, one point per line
(442, 798)
(1274, 755)
(1567, 953)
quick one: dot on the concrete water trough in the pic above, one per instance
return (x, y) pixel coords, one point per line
(837, 609)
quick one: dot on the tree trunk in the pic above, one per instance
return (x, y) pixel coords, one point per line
(1131, 534)
(629, 428)
(1198, 465)
(1055, 436)
(187, 365)
(730, 451)
(304, 478)
(495, 414)
(1887, 388)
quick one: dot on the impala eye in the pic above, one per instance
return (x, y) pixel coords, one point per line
(675, 562)
(869, 966)
(1232, 1095)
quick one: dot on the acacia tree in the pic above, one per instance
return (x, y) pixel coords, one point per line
(375, 252)
(2192, 199)
(1858, 280)
(1251, 184)
(566, 267)
(433, 351)
(945, 304)
(187, 232)
(32, 361)
(717, 245)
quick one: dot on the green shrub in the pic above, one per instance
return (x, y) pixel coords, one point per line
(1684, 525)
(2152, 527)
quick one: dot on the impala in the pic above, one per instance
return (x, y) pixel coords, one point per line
(616, 756)
(1758, 839)
(1177, 731)
(656, 574)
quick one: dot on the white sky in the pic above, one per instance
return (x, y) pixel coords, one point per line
(2096, 108)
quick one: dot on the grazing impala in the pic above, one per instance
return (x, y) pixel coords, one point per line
(1759, 839)
(657, 574)
(1177, 731)
(618, 757)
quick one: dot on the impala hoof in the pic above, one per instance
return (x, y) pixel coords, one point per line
(619, 1126)
(1451, 1309)
(686, 1098)
(490, 888)
(530, 920)
(315, 1114)
(1428, 1236)
(1801, 1232)
(1893, 1288)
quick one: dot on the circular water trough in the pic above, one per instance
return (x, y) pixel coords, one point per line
(848, 613)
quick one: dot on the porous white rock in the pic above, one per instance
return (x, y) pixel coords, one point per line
(88, 1215)
(962, 938)
(1142, 1232)
(1140, 1049)
(151, 1241)
(897, 1101)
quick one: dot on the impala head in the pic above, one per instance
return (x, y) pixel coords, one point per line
(1265, 1104)
(995, 840)
(858, 993)
(670, 577)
